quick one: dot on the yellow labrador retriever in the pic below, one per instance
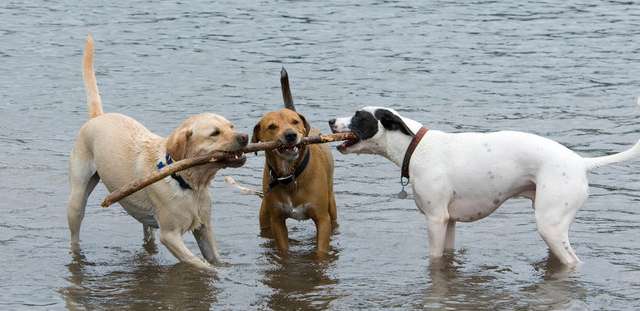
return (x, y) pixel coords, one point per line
(115, 148)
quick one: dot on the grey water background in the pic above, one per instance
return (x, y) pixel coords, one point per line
(566, 70)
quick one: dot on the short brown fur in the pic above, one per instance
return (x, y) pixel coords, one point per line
(314, 187)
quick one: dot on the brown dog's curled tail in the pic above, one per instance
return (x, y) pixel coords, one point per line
(90, 84)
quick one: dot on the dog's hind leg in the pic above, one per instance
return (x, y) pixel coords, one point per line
(555, 208)
(207, 243)
(83, 179)
(333, 212)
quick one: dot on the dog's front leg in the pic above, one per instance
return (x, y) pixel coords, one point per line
(265, 221)
(173, 241)
(437, 231)
(279, 231)
(323, 231)
(207, 243)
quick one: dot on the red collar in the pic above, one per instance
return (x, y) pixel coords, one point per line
(407, 155)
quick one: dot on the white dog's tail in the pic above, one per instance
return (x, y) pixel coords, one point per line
(629, 154)
(244, 190)
(90, 84)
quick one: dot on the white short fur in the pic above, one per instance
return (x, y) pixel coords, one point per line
(466, 176)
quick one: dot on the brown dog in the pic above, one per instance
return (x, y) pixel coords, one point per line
(297, 181)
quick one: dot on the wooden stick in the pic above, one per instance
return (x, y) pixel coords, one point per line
(215, 156)
(286, 91)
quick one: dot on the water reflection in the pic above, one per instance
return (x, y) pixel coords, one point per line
(300, 281)
(558, 289)
(450, 286)
(453, 286)
(137, 283)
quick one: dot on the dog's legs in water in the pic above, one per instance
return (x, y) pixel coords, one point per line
(451, 235)
(435, 211)
(279, 231)
(149, 234)
(173, 241)
(83, 179)
(437, 231)
(207, 243)
(333, 212)
(555, 212)
(322, 235)
(265, 221)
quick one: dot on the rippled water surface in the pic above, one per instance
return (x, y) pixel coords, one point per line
(565, 70)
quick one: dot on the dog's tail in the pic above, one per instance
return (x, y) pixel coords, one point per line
(628, 154)
(244, 190)
(286, 91)
(90, 84)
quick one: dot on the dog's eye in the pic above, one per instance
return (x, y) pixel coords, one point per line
(295, 122)
(272, 126)
(215, 133)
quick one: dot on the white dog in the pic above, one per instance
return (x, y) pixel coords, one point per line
(116, 149)
(466, 176)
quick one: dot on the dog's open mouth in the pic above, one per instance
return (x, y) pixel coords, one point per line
(288, 151)
(233, 159)
(348, 143)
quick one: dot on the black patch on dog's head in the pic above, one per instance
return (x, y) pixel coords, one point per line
(364, 124)
(392, 122)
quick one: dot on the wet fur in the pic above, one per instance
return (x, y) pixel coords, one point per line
(310, 196)
(464, 177)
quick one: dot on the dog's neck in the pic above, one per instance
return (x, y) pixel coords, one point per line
(284, 167)
(397, 144)
(199, 177)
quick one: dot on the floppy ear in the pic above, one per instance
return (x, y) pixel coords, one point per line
(392, 122)
(177, 144)
(256, 132)
(307, 127)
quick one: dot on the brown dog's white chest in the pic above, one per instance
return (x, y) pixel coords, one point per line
(290, 210)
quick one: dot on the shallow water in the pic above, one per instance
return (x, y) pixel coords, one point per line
(566, 71)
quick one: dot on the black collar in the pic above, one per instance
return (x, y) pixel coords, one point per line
(183, 184)
(285, 180)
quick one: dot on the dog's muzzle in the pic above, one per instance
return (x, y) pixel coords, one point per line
(347, 143)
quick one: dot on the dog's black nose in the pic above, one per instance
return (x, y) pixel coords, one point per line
(243, 139)
(332, 122)
(290, 137)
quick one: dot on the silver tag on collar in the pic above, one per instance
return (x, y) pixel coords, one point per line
(403, 182)
(402, 194)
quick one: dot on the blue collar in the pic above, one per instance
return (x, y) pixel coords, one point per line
(183, 184)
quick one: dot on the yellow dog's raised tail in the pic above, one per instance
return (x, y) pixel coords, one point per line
(631, 153)
(90, 84)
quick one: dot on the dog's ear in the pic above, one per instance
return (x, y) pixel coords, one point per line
(256, 134)
(307, 127)
(177, 144)
(392, 121)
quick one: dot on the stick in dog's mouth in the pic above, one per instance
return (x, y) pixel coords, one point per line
(233, 159)
(348, 142)
(183, 164)
(288, 150)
